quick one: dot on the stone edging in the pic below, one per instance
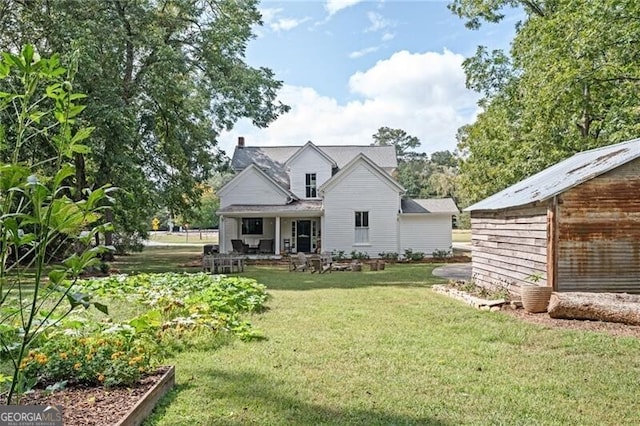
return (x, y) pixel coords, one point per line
(476, 302)
(147, 403)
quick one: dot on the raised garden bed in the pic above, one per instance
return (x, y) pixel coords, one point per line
(98, 406)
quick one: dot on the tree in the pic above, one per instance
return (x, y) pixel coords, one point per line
(163, 79)
(548, 98)
(402, 141)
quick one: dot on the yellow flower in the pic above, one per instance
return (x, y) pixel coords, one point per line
(77, 366)
(89, 357)
(135, 360)
(63, 355)
(101, 378)
(42, 359)
(141, 369)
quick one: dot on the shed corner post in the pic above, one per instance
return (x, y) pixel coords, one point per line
(552, 243)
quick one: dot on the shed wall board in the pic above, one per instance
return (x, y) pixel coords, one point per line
(508, 247)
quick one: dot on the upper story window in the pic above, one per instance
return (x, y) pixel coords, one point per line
(310, 185)
(251, 225)
(362, 227)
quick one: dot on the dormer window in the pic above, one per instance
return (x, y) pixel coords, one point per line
(310, 185)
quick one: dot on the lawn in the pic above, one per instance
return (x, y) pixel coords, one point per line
(191, 237)
(378, 348)
(160, 259)
(461, 235)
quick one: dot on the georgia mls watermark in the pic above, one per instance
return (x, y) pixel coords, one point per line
(30, 415)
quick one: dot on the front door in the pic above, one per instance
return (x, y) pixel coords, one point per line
(303, 239)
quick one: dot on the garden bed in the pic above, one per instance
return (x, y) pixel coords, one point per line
(99, 406)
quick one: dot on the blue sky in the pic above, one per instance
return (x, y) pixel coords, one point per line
(350, 67)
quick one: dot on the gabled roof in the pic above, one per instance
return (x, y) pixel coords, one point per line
(266, 176)
(275, 157)
(310, 146)
(361, 158)
(562, 176)
(428, 206)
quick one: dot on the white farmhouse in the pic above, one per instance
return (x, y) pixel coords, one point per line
(323, 198)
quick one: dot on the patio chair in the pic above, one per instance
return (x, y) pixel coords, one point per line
(239, 246)
(265, 246)
(298, 263)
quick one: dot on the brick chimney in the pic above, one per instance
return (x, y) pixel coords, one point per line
(240, 142)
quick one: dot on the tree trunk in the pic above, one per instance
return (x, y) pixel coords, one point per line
(108, 237)
(612, 307)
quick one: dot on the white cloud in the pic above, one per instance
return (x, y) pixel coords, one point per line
(272, 20)
(421, 93)
(286, 24)
(388, 36)
(334, 6)
(377, 22)
(362, 52)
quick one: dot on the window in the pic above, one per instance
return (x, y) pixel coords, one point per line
(310, 185)
(252, 226)
(362, 227)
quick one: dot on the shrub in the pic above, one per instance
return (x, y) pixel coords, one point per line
(441, 254)
(358, 255)
(338, 255)
(388, 255)
(409, 254)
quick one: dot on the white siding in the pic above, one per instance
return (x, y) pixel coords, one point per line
(309, 161)
(361, 190)
(425, 233)
(251, 188)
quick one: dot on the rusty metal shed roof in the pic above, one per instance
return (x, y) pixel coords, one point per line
(562, 176)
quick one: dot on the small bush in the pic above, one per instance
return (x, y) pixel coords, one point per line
(358, 255)
(415, 256)
(338, 255)
(441, 254)
(389, 255)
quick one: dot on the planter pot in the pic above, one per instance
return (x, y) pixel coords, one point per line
(356, 267)
(535, 299)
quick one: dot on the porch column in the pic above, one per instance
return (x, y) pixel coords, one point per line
(277, 244)
(221, 236)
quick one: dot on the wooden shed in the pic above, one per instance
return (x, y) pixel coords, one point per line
(574, 225)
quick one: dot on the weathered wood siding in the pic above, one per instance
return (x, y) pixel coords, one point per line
(425, 233)
(509, 246)
(599, 233)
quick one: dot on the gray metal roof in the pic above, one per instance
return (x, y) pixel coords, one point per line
(562, 176)
(300, 206)
(274, 157)
(429, 205)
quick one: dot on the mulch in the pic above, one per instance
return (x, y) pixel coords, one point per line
(614, 329)
(94, 406)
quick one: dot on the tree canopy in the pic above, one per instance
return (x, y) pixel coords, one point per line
(163, 79)
(570, 82)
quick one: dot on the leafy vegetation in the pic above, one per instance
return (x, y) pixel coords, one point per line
(548, 98)
(45, 211)
(163, 79)
(164, 314)
(381, 348)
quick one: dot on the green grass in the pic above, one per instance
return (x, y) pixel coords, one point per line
(191, 237)
(461, 235)
(160, 259)
(378, 348)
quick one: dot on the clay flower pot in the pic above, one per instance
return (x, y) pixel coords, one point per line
(535, 298)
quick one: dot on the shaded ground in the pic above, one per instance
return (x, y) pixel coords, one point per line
(544, 319)
(454, 271)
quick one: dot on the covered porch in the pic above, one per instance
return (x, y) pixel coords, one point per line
(263, 230)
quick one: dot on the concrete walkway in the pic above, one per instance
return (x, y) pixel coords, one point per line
(454, 271)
